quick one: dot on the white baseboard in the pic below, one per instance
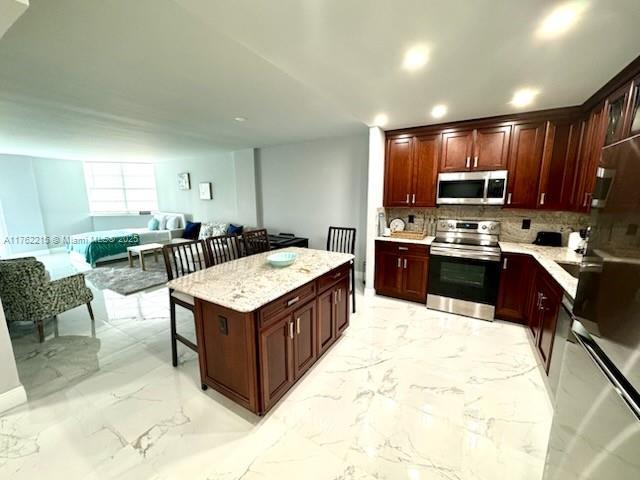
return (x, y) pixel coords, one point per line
(14, 397)
(369, 292)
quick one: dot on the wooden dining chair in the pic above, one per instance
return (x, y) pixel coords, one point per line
(343, 240)
(181, 259)
(221, 249)
(255, 241)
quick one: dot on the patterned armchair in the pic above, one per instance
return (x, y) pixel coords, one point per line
(28, 294)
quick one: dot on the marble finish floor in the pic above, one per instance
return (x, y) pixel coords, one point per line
(407, 393)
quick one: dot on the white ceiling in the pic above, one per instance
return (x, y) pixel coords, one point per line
(165, 78)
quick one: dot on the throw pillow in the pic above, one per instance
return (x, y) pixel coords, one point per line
(234, 229)
(162, 221)
(173, 223)
(153, 224)
(191, 230)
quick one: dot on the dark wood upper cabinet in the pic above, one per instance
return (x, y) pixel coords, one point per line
(525, 159)
(588, 158)
(425, 170)
(398, 179)
(411, 169)
(491, 148)
(634, 112)
(561, 146)
(617, 113)
(457, 148)
(516, 278)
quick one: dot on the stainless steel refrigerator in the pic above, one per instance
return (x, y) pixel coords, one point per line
(595, 433)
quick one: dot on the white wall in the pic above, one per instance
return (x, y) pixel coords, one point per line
(218, 169)
(374, 199)
(306, 187)
(11, 390)
(246, 188)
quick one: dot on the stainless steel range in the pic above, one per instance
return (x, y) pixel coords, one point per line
(464, 268)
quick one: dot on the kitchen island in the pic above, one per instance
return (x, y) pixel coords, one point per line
(260, 328)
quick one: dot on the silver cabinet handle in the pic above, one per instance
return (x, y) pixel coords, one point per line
(542, 299)
(405, 263)
(468, 163)
(403, 248)
(509, 198)
(505, 261)
(475, 162)
(335, 297)
(407, 198)
(291, 330)
(538, 302)
(292, 301)
(339, 295)
(399, 260)
(413, 198)
(542, 195)
(298, 325)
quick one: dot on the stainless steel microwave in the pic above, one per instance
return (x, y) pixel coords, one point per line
(472, 188)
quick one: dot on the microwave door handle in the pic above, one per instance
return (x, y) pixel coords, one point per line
(485, 193)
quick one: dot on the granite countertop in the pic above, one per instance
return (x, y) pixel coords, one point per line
(246, 284)
(545, 256)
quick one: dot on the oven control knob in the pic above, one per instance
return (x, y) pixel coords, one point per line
(493, 227)
(450, 225)
(484, 227)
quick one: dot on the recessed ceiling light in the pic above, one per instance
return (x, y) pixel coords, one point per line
(523, 97)
(439, 111)
(415, 58)
(380, 120)
(561, 19)
(240, 119)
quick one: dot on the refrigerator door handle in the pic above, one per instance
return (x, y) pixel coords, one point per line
(592, 350)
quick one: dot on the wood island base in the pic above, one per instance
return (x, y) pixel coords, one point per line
(254, 358)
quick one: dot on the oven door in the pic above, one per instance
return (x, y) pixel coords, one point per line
(467, 279)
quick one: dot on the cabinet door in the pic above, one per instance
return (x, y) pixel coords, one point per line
(425, 170)
(342, 306)
(305, 345)
(398, 176)
(549, 306)
(326, 321)
(414, 277)
(525, 159)
(634, 115)
(515, 288)
(533, 304)
(562, 142)
(616, 109)
(491, 148)
(276, 360)
(388, 273)
(588, 159)
(456, 151)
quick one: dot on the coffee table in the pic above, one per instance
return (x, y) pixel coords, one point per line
(140, 250)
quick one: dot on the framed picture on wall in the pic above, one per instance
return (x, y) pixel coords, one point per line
(184, 181)
(205, 191)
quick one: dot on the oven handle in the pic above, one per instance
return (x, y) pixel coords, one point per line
(435, 251)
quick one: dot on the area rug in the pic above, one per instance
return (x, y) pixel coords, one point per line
(126, 280)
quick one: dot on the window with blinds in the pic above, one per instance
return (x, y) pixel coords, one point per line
(120, 187)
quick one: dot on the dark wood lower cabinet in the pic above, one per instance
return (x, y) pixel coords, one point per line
(529, 295)
(401, 270)
(516, 278)
(254, 358)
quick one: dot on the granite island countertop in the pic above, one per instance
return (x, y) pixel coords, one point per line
(545, 256)
(246, 284)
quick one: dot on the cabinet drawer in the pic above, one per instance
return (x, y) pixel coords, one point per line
(289, 301)
(403, 248)
(333, 277)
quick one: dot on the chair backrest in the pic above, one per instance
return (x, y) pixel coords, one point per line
(23, 287)
(342, 239)
(222, 248)
(183, 258)
(255, 241)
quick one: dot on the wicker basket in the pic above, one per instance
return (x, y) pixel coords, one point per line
(409, 235)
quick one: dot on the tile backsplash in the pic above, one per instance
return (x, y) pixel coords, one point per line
(510, 220)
